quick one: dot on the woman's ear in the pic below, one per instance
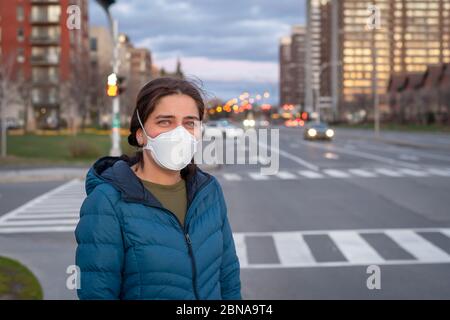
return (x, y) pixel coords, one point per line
(140, 137)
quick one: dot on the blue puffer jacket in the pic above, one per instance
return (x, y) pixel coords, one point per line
(130, 247)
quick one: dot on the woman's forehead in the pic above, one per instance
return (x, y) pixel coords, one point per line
(176, 106)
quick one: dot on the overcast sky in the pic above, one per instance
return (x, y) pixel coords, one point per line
(232, 46)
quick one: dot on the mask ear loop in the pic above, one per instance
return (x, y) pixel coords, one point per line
(146, 146)
(142, 126)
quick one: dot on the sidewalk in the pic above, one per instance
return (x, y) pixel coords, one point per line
(42, 174)
(431, 141)
(51, 174)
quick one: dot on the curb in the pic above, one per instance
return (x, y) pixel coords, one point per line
(396, 142)
(42, 175)
(56, 174)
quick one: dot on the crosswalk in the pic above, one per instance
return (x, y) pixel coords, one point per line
(55, 211)
(58, 211)
(342, 248)
(337, 174)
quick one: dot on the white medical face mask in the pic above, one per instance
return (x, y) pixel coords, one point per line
(173, 149)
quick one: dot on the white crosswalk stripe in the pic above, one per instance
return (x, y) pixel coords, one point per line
(336, 173)
(258, 176)
(292, 251)
(286, 175)
(418, 246)
(310, 174)
(339, 173)
(388, 172)
(362, 173)
(355, 248)
(415, 173)
(232, 176)
(439, 172)
(54, 211)
(292, 248)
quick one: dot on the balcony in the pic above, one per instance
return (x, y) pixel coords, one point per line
(44, 60)
(44, 19)
(44, 1)
(44, 40)
(45, 80)
(45, 101)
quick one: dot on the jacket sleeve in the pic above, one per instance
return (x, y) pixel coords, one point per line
(100, 250)
(230, 269)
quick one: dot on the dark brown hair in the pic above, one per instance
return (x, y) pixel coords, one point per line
(147, 100)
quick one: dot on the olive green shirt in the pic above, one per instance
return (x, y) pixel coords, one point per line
(172, 197)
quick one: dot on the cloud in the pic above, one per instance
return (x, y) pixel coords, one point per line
(217, 40)
(225, 70)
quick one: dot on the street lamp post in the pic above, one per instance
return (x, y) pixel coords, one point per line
(315, 89)
(374, 24)
(115, 128)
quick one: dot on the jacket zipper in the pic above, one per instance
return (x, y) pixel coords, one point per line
(189, 243)
(187, 238)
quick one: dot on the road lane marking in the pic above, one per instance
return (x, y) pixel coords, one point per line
(45, 216)
(362, 173)
(232, 177)
(290, 156)
(294, 252)
(310, 174)
(258, 176)
(40, 199)
(336, 173)
(414, 173)
(38, 222)
(241, 249)
(355, 248)
(284, 175)
(388, 172)
(362, 154)
(419, 247)
(292, 249)
(439, 172)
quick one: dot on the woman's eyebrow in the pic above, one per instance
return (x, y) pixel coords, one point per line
(192, 117)
(164, 116)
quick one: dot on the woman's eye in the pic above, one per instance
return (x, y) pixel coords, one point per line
(164, 122)
(190, 124)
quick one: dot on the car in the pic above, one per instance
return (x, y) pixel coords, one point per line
(221, 128)
(318, 131)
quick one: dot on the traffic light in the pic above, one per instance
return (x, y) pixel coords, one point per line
(115, 85)
(305, 116)
(106, 3)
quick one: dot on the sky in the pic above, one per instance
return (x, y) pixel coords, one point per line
(231, 46)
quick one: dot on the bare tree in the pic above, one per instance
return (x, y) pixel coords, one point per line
(75, 95)
(8, 95)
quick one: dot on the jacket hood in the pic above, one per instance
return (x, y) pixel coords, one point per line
(117, 172)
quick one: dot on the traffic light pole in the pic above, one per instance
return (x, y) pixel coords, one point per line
(115, 128)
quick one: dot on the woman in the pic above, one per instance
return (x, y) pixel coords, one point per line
(155, 226)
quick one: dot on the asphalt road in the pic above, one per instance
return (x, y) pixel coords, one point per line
(310, 231)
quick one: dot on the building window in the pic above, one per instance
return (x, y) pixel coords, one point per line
(20, 34)
(94, 44)
(19, 13)
(20, 55)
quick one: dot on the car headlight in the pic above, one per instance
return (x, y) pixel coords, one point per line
(245, 122)
(252, 123)
(312, 132)
(329, 133)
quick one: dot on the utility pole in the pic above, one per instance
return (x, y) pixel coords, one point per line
(115, 127)
(374, 24)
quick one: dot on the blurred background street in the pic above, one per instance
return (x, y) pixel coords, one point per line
(359, 93)
(309, 231)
